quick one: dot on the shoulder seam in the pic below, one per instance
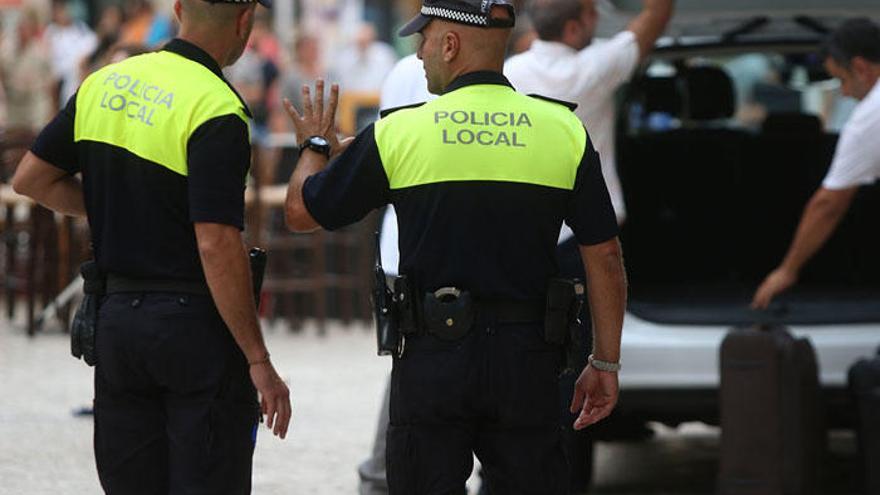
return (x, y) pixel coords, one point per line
(570, 105)
(389, 111)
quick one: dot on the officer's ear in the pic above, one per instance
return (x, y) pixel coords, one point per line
(245, 21)
(178, 9)
(451, 46)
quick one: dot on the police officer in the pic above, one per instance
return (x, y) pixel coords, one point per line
(162, 143)
(481, 179)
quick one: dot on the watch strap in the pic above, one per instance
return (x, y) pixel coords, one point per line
(309, 144)
(606, 366)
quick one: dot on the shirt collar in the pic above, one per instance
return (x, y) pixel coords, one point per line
(192, 52)
(479, 77)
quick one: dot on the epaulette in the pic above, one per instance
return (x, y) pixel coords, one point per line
(389, 111)
(571, 106)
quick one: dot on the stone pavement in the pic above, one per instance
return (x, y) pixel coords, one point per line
(336, 382)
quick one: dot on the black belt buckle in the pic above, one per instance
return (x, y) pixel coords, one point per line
(448, 313)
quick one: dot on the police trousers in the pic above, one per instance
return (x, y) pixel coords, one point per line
(175, 410)
(493, 393)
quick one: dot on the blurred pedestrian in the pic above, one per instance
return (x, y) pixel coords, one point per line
(481, 178)
(28, 89)
(70, 41)
(145, 26)
(363, 65)
(26, 74)
(264, 40)
(248, 77)
(161, 143)
(305, 67)
(254, 75)
(852, 55)
(108, 31)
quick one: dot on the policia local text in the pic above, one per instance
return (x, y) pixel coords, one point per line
(134, 97)
(496, 137)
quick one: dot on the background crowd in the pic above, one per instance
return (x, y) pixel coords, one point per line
(47, 50)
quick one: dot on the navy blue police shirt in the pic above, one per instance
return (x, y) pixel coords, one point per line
(496, 239)
(141, 215)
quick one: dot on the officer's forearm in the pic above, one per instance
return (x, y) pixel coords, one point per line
(227, 271)
(296, 215)
(49, 186)
(606, 289)
(821, 217)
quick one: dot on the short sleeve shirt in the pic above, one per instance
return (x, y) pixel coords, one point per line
(857, 158)
(495, 238)
(141, 214)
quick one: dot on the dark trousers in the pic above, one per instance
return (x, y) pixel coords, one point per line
(175, 410)
(493, 393)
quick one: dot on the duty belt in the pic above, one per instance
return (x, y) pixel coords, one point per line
(425, 317)
(117, 284)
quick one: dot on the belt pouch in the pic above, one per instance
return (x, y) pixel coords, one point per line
(85, 322)
(448, 313)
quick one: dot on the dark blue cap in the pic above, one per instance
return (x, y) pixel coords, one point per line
(470, 12)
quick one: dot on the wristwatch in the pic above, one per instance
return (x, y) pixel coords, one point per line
(317, 144)
(605, 366)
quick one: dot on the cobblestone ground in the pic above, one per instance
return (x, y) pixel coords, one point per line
(337, 382)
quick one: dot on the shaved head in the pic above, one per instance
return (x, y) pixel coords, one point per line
(205, 13)
(221, 29)
(449, 49)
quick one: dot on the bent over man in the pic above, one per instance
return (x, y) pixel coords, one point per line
(162, 143)
(852, 55)
(482, 179)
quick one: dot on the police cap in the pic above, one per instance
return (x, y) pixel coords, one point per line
(264, 3)
(470, 12)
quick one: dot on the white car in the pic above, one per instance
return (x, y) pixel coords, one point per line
(724, 133)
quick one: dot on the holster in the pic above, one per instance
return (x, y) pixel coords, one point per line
(388, 338)
(85, 322)
(565, 298)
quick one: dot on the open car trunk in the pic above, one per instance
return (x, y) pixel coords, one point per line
(780, 19)
(712, 208)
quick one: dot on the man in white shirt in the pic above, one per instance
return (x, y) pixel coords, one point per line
(564, 63)
(852, 55)
(70, 40)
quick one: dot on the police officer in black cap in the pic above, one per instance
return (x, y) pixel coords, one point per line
(161, 141)
(481, 179)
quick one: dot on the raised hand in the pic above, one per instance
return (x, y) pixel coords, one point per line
(315, 119)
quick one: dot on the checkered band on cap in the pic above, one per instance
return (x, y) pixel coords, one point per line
(456, 16)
